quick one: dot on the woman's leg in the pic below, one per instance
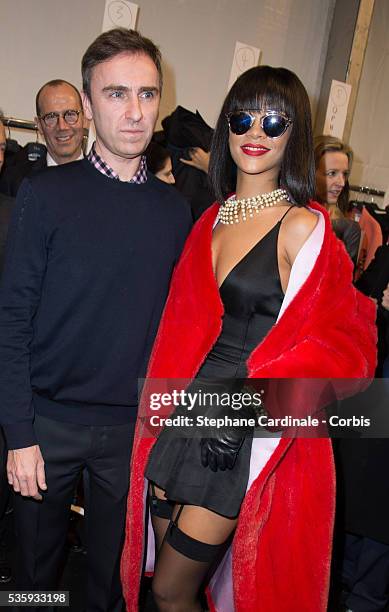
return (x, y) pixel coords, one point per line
(161, 511)
(194, 542)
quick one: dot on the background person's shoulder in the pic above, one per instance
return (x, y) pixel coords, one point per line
(169, 194)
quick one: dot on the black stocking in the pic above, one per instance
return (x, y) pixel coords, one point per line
(161, 511)
(177, 581)
(160, 526)
(192, 546)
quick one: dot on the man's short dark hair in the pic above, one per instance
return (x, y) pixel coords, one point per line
(55, 83)
(1, 116)
(112, 43)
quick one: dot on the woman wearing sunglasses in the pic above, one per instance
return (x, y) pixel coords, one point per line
(255, 295)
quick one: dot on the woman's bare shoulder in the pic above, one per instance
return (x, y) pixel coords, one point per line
(299, 224)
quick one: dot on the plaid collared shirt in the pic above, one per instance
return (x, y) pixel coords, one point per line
(139, 177)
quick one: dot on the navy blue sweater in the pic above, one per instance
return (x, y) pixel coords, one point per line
(88, 266)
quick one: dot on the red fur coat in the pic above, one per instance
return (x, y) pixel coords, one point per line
(282, 547)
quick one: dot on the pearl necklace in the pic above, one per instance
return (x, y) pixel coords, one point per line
(229, 212)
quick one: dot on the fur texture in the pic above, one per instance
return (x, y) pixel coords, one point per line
(282, 546)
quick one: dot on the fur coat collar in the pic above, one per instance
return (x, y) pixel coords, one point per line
(281, 551)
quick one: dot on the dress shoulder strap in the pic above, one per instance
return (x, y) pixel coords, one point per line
(284, 215)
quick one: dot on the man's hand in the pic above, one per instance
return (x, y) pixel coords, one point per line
(385, 298)
(26, 471)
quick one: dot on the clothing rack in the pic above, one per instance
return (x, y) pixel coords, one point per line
(24, 124)
(377, 211)
(367, 190)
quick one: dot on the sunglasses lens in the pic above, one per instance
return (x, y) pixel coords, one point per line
(274, 125)
(240, 123)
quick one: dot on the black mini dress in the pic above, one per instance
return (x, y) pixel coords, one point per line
(252, 296)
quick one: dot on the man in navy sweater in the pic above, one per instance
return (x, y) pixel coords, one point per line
(90, 253)
(6, 206)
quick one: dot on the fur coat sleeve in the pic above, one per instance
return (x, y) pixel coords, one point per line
(282, 546)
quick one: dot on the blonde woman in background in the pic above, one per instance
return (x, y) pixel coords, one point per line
(333, 160)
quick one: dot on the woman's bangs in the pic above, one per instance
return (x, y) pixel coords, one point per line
(261, 93)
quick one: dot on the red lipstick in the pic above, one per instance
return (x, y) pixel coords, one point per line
(255, 150)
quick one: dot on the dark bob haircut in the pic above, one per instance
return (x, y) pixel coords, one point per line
(112, 43)
(265, 87)
(156, 157)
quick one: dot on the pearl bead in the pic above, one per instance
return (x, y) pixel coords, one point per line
(229, 212)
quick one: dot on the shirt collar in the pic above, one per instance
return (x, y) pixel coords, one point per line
(51, 161)
(139, 177)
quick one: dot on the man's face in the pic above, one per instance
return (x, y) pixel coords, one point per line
(2, 145)
(63, 141)
(124, 105)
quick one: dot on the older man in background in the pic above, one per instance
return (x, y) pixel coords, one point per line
(60, 122)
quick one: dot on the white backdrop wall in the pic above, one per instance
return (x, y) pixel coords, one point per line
(45, 39)
(370, 129)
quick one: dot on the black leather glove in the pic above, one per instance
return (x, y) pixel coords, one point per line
(220, 448)
(221, 451)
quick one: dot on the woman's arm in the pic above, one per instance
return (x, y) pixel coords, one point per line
(298, 226)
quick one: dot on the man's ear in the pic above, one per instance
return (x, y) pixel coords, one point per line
(86, 103)
(39, 126)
